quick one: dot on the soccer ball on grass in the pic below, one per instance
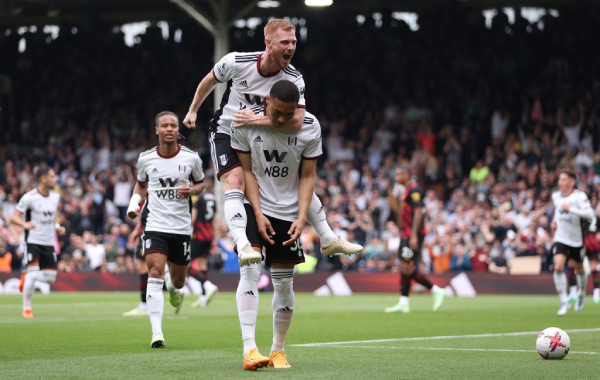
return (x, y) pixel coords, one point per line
(553, 343)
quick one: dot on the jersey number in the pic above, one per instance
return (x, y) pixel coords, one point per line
(210, 210)
(297, 245)
(276, 171)
(187, 250)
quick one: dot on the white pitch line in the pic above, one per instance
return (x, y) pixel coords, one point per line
(83, 304)
(433, 338)
(457, 349)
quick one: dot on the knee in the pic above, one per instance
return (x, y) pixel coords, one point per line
(233, 180)
(559, 268)
(49, 276)
(178, 281)
(155, 272)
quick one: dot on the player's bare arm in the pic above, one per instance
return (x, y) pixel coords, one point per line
(417, 219)
(139, 192)
(204, 89)
(187, 191)
(305, 192)
(247, 118)
(17, 218)
(253, 195)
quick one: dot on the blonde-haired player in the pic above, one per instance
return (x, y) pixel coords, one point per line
(249, 78)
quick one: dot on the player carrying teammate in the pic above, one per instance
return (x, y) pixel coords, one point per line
(249, 78)
(39, 208)
(570, 207)
(168, 174)
(203, 213)
(279, 194)
(410, 217)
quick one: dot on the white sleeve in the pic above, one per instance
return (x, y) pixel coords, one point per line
(584, 209)
(224, 70)
(23, 204)
(314, 147)
(142, 176)
(197, 172)
(239, 140)
(301, 87)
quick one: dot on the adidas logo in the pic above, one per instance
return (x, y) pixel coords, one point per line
(155, 170)
(249, 293)
(320, 210)
(237, 216)
(285, 310)
(258, 139)
(244, 83)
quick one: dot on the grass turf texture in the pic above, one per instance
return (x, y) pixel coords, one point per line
(83, 335)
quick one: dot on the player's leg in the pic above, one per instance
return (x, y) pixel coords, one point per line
(595, 278)
(179, 256)
(407, 269)
(572, 280)
(208, 288)
(41, 266)
(155, 253)
(142, 270)
(282, 259)
(560, 279)
(330, 243)
(578, 254)
(229, 172)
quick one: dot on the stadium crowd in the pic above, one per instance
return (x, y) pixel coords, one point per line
(484, 117)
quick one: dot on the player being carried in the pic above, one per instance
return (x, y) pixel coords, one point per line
(168, 175)
(410, 218)
(249, 78)
(279, 194)
(39, 208)
(570, 207)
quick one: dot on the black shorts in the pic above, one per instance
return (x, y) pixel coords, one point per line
(592, 246)
(176, 247)
(223, 156)
(43, 254)
(407, 255)
(575, 253)
(200, 248)
(277, 253)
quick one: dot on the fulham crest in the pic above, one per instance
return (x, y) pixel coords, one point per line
(223, 159)
(292, 141)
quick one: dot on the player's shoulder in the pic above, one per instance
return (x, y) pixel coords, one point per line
(29, 194)
(291, 71)
(309, 119)
(257, 109)
(311, 126)
(245, 58)
(580, 194)
(54, 194)
(148, 153)
(556, 194)
(187, 151)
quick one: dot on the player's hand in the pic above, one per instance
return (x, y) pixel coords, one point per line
(295, 231)
(132, 214)
(61, 230)
(184, 192)
(413, 243)
(29, 225)
(565, 207)
(244, 118)
(265, 228)
(190, 120)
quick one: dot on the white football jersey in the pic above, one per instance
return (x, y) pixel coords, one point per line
(568, 225)
(276, 158)
(41, 211)
(247, 86)
(164, 211)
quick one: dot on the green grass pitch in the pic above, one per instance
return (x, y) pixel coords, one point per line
(83, 335)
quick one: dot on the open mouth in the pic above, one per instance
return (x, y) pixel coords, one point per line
(287, 57)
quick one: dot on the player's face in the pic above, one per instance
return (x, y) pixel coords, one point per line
(167, 129)
(280, 112)
(565, 183)
(283, 47)
(49, 180)
(402, 177)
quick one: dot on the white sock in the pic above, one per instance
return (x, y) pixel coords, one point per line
(235, 216)
(156, 304)
(582, 283)
(143, 306)
(47, 276)
(29, 286)
(560, 281)
(169, 285)
(247, 302)
(403, 301)
(573, 289)
(283, 305)
(435, 289)
(597, 293)
(317, 218)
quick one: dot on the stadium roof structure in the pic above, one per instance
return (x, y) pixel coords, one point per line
(32, 12)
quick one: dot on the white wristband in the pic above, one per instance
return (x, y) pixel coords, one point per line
(134, 203)
(57, 226)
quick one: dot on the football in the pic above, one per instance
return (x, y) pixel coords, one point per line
(553, 343)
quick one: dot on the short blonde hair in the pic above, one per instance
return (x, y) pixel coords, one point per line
(276, 24)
